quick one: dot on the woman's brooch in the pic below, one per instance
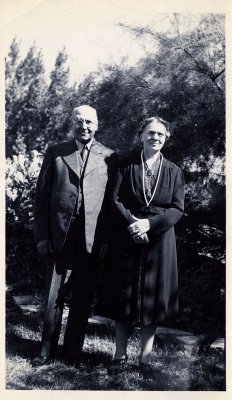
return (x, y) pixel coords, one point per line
(148, 171)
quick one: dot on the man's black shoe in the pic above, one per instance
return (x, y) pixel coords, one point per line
(39, 361)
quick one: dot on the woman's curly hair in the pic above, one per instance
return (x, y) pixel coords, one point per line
(149, 120)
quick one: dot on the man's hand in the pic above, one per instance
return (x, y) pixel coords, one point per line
(103, 250)
(139, 227)
(143, 239)
(44, 247)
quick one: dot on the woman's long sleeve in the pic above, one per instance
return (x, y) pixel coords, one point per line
(170, 215)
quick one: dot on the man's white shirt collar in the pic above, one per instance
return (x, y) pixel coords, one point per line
(81, 145)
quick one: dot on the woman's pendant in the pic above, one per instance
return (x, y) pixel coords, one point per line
(149, 173)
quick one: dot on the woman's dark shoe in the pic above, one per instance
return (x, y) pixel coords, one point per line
(117, 366)
(147, 370)
(39, 361)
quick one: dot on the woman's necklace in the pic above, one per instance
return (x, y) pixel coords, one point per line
(144, 172)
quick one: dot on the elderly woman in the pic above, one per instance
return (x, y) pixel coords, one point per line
(142, 280)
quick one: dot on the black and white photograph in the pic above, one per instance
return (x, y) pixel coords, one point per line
(116, 119)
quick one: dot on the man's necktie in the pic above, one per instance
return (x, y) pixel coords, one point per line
(84, 153)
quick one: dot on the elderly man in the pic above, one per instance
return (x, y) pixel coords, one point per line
(72, 198)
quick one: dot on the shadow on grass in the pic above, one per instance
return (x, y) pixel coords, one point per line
(18, 346)
(208, 372)
(90, 375)
(175, 367)
(29, 348)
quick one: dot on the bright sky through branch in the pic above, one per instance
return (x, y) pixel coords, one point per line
(88, 29)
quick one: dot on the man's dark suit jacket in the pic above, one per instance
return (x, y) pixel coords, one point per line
(57, 191)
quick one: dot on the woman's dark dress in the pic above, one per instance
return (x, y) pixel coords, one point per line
(139, 282)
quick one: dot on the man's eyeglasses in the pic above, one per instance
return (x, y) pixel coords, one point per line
(81, 121)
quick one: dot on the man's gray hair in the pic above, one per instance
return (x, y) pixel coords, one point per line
(83, 108)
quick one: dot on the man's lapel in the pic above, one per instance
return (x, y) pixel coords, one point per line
(71, 158)
(94, 157)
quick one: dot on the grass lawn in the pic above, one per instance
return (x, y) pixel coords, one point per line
(176, 366)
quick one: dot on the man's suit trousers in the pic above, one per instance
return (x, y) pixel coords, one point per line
(71, 268)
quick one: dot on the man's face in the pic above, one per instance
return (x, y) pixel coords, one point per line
(85, 124)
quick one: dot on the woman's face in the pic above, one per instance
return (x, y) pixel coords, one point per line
(153, 136)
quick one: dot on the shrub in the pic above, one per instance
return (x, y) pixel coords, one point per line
(24, 266)
(21, 176)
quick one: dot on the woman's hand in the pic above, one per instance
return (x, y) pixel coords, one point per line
(139, 227)
(143, 239)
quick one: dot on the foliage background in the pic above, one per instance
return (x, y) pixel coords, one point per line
(182, 80)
